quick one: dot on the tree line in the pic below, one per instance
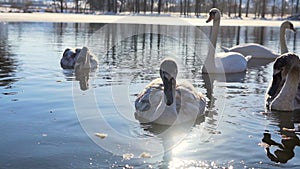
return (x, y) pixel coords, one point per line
(232, 8)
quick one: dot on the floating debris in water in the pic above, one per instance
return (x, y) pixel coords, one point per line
(58, 81)
(145, 155)
(128, 156)
(128, 166)
(101, 135)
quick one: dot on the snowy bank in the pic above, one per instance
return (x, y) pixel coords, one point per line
(160, 20)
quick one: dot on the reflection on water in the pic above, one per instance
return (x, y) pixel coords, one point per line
(129, 55)
(285, 148)
(8, 63)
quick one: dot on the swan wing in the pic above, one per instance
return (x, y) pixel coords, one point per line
(148, 97)
(230, 62)
(192, 103)
(255, 50)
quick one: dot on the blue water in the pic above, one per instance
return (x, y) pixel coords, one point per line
(48, 121)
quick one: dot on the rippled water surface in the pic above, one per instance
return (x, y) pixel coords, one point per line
(49, 119)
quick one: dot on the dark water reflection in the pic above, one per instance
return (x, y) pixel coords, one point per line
(8, 63)
(283, 148)
(40, 125)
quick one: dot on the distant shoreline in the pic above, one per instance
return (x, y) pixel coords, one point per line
(132, 19)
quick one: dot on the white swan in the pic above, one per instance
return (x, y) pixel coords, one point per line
(229, 62)
(283, 93)
(260, 51)
(166, 101)
(70, 58)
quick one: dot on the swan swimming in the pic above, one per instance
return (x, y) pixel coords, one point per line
(229, 62)
(70, 58)
(167, 101)
(283, 93)
(260, 51)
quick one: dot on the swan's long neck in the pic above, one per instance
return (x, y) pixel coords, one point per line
(285, 99)
(283, 46)
(210, 60)
(215, 31)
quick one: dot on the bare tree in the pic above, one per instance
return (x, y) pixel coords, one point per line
(263, 12)
(247, 7)
(137, 6)
(188, 7)
(61, 6)
(240, 9)
(273, 8)
(115, 6)
(282, 7)
(152, 5)
(223, 6)
(292, 6)
(197, 8)
(229, 7)
(297, 6)
(159, 6)
(257, 10)
(76, 6)
(235, 7)
(145, 6)
(181, 7)
(185, 8)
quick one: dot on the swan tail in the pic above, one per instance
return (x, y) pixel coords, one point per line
(225, 49)
(248, 57)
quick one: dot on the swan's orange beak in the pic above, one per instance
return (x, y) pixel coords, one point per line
(211, 17)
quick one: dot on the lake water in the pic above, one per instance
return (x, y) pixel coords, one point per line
(49, 117)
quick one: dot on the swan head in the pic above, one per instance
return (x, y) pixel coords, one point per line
(288, 25)
(281, 67)
(214, 14)
(71, 52)
(168, 72)
(69, 58)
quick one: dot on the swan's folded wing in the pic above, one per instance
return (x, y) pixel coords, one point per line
(143, 101)
(67, 62)
(191, 101)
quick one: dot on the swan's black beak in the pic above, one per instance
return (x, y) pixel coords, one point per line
(211, 16)
(169, 84)
(292, 28)
(275, 84)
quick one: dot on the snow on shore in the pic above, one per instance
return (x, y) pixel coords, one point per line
(160, 20)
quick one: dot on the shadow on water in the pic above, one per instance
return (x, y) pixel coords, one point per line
(289, 129)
